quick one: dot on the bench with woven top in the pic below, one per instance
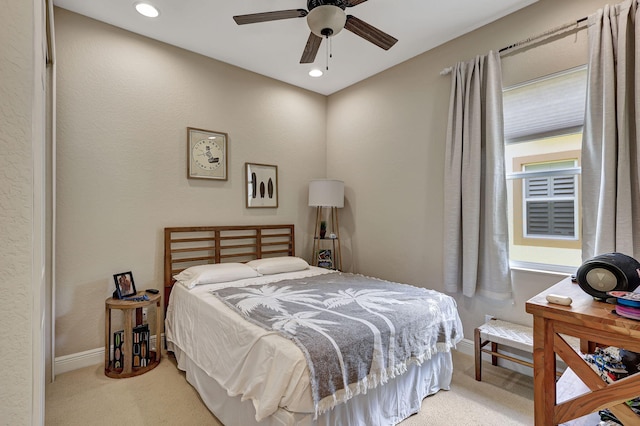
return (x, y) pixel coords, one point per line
(505, 333)
(499, 332)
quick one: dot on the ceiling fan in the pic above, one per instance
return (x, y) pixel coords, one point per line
(325, 18)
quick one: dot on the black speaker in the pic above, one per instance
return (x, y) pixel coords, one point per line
(608, 272)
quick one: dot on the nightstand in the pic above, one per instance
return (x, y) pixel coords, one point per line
(128, 307)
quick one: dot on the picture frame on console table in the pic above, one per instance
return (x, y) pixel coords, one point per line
(261, 185)
(125, 287)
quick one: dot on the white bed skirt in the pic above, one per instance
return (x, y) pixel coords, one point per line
(385, 405)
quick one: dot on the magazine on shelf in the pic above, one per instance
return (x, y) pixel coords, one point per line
(118, 357)
(140, 350)
(325, 259)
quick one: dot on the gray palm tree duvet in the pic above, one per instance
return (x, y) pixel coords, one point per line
(356, 332)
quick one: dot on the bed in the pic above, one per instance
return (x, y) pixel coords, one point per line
(266, 339)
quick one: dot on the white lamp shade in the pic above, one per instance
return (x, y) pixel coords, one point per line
(326, 193)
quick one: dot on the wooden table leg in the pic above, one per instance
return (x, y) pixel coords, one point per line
(107, 337)
(127, 350)
(544, 363)
(549, 384)
(159, 328)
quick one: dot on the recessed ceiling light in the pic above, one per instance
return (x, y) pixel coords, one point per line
(147, 10)
(315, 73)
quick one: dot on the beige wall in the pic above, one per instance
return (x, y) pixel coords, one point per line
(16, 186)
(124, 103)
(22, 124)
(386, 138)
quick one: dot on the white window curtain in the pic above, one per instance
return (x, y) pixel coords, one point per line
(476, 241)
(610, 156)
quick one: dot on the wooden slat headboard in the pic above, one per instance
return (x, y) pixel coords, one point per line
(198, 245)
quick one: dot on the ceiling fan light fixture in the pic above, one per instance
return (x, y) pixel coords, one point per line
(326, 20)
(147, 10)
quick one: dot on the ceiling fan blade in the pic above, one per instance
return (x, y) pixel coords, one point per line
(311, 49)
(253, 18)
(369, 33)
(351, 3)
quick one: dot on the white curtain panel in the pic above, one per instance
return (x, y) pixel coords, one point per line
(476, 241)
(610, 157)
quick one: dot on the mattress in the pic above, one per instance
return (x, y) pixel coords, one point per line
(225, 354)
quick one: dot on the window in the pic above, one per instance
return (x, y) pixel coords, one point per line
(543, 138)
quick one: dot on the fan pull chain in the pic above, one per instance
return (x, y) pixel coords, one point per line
(329, 51)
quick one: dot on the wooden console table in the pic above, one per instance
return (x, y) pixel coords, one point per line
(129, 307)
(593, 322)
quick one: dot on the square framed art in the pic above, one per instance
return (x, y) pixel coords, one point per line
(207, 154)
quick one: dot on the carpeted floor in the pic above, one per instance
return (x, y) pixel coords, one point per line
(163, 397)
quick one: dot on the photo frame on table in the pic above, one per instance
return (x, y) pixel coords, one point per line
(261, 185)
(125, 287)
(206, 154)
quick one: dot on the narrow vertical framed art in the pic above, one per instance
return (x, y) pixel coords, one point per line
(261, 185)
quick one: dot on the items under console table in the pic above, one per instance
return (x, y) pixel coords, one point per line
(593, 322)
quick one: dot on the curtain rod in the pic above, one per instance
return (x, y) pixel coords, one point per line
(542, 36)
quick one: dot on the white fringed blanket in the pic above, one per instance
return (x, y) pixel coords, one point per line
(356, 332)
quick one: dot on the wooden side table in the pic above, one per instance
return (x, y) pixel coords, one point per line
(592, 322)
(128, 307)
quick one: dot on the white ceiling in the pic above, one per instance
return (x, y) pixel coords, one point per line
(274, 48)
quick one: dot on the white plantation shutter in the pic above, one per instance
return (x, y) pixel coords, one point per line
(550, 206)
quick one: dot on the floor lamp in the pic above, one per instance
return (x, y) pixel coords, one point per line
(327, 193)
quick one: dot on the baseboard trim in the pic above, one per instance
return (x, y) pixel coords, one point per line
(64, 364)
(465, 346)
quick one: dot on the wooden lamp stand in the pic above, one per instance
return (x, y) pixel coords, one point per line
(327, 193)
(335, 242)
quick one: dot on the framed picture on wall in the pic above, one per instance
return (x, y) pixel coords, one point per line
(207, 154)
(261, 185)
(125, 287)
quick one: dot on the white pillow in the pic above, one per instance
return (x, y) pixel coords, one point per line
(277, 265)
(215, 273)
